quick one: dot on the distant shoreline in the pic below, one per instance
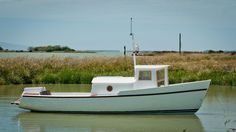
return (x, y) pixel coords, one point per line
(47, 52)
(144, 53)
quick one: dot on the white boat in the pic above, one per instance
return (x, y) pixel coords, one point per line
(148, 91)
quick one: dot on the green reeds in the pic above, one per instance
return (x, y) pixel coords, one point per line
(220, 68)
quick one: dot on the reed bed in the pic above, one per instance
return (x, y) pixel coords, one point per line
(220, 68)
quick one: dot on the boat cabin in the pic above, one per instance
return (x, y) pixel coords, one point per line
(145, 76)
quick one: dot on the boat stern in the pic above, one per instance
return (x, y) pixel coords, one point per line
(32, 91)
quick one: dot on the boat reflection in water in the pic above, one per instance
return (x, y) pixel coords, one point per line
(37, 122)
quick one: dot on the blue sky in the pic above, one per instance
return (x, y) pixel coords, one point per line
(104, 24)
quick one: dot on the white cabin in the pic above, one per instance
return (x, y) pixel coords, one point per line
(146, 76)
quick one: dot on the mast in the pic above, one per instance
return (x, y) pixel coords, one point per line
(133, 42)
(180, 43)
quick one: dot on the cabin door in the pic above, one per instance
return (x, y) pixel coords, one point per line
(160, 77)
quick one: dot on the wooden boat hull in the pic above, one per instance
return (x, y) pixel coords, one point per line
(173, 98)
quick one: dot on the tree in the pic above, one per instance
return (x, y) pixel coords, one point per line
(30, 49)
(50, 48)
(1, 48)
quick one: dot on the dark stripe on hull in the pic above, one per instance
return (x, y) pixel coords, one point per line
(183, 111)
(42, 96)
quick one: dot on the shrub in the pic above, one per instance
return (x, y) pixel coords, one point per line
(220, 68)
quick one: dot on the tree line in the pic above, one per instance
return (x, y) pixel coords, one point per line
(50, 48)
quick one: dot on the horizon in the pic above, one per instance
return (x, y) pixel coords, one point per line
(105, 25)
(114, 50)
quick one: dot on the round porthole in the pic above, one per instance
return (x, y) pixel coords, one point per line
(109, 88)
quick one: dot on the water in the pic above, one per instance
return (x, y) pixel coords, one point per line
(63, 55)
(217, 114)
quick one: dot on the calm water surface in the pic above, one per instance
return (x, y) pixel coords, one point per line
(217, 114)
(61, 55)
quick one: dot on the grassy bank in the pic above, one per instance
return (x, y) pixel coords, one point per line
(221, 68)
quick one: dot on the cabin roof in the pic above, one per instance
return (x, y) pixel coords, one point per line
(145, 67)
(113, 79)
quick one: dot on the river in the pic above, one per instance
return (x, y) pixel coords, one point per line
(60, 54)
(217, 114)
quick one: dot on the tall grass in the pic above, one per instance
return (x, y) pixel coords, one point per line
(220, 68)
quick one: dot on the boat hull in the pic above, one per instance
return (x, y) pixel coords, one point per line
(176, 98)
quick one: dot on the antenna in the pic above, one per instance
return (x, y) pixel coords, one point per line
(133, 42)
(131, 32)
(131, 21)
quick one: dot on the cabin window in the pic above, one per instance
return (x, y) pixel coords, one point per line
(109, 88)
(160, 77)
(145, 75)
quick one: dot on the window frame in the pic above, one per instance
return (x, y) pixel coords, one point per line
(160, 78)
(143, 77)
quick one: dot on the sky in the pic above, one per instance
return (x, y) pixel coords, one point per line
(105, 24)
